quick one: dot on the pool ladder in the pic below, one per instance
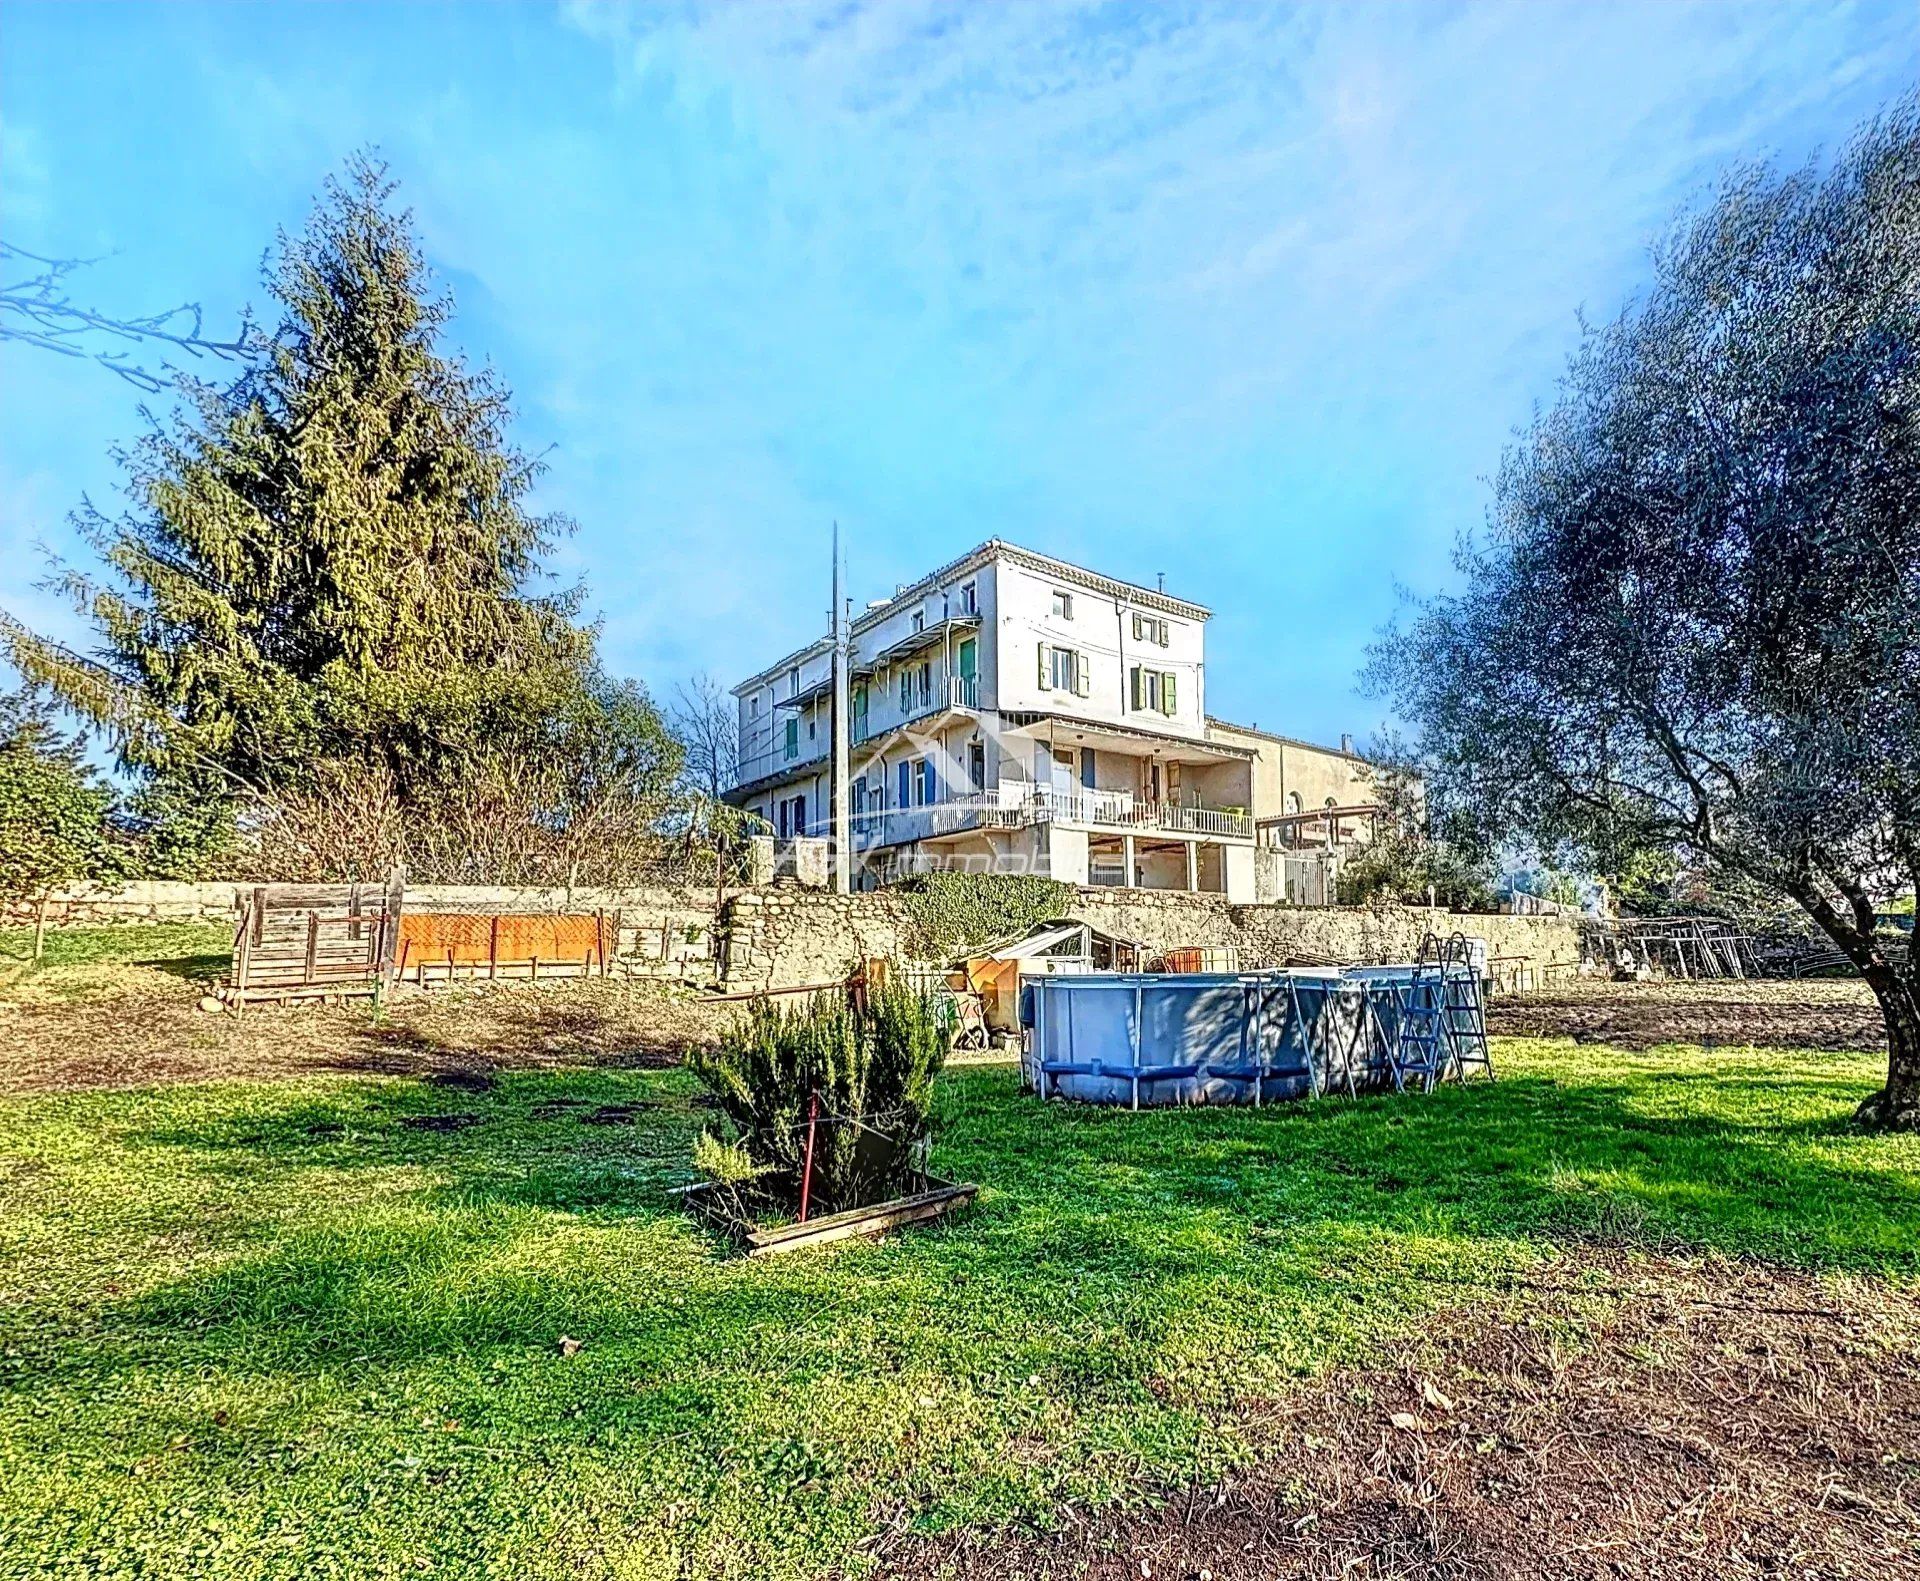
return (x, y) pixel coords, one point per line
(1442, 1028)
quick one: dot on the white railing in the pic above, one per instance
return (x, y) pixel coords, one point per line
(952, 691)
(777, 759)
(1013, 804)
(1206, 820)
(1027, 803)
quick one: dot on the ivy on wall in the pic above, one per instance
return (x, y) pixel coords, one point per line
(949, 914)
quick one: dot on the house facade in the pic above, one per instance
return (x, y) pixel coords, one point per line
(1314, 808)
(1013, 713)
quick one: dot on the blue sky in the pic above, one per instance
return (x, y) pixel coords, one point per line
(1247, 295)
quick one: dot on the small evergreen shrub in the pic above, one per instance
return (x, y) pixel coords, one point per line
(874, 1063)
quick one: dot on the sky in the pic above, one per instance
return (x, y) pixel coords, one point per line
(1249, 296)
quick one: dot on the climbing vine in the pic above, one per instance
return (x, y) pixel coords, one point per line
(951, 913)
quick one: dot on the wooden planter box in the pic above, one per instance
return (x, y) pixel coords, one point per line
(936, 1197)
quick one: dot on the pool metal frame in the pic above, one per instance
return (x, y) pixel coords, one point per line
(1433, 1028)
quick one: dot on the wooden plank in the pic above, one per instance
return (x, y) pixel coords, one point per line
(770, 993)
(313, 940)
(391, 965)
(243, 944)
(876, 1220)
(252, 996)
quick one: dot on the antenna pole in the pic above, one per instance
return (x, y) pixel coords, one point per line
(842, 843)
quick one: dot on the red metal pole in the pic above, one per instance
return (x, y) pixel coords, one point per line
(806, 1167)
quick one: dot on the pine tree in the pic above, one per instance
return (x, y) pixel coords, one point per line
(331, 563)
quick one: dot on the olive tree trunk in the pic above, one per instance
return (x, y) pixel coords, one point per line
(1897, 1106)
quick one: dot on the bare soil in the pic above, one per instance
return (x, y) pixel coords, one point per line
(139, 1025)
(1822, 1014)
(1704, 1419)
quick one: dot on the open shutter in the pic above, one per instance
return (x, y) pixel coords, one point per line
(1133, 688)
(1167, 706)
(1046, 680)
(1082, 675)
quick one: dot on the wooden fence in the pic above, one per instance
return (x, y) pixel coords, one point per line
(298, 941)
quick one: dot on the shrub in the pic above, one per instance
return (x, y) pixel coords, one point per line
(873, 1063)
(954, 912)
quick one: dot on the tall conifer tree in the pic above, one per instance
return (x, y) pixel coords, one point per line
(332, 561)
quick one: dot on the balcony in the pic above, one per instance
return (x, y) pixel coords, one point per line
(949, 693)
(1015, 805)
(1102, 809)
(777, 760)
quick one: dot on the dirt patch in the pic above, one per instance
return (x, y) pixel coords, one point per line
(617, 1114)
(150, 1030)
(443, 1122)
(1701, 1420)
(1821, 1015)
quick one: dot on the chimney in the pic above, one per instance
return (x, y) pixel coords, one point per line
(1346, 745)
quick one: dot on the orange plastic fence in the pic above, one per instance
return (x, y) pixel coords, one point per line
(434, 937)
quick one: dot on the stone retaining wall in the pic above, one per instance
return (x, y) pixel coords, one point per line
(784, 937)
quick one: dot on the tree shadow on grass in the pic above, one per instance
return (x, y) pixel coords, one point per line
(508, 1036)
(194, 968)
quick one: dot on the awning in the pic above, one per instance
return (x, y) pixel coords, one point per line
(1039, 943)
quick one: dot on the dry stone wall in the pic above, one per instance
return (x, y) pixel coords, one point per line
(786, 936)
(664, 931)
(146, 902)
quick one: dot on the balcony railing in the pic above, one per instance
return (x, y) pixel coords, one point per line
(917, 702)
(776, 758)
(1014, 803)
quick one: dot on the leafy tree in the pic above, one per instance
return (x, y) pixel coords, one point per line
(1415, 854)
(53, 810)
(1693, 622)
(331, 565)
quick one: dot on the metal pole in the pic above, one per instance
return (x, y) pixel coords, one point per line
(806, 1168)
(842, 837)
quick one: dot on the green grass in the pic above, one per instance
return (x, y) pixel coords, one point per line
(270, 1331)
(189, 949)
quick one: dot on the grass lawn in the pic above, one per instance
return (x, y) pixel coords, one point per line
(81, 962)
(271, 1329)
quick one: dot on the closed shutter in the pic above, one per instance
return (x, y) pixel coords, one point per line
(1086, 767)
(1166, 695)
(1135, 689)
(904, 777)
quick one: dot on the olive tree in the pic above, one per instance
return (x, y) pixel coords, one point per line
(1692, 622)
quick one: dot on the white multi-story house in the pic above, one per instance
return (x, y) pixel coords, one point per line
(1013, 713)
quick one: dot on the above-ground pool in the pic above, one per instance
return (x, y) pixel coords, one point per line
(1251, 1037)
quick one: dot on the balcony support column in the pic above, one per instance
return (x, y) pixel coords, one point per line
(1132, 871)
(1193, 864)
